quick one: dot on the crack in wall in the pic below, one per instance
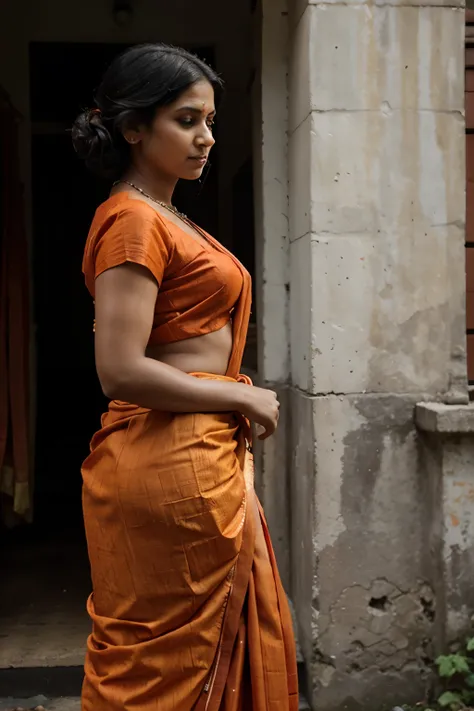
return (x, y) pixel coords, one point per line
(379, 635)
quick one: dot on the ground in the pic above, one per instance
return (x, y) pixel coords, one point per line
(62, 704)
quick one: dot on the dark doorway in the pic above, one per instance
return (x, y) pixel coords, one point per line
(44, 622)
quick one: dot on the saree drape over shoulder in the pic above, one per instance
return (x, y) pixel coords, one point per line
(188, 609)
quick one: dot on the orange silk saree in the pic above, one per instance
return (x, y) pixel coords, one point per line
(188, 609)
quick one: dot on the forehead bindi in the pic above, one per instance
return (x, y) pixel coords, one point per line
(197, 110)
(199, 98)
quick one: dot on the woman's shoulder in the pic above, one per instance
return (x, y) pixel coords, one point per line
(124, 223)
(124, 219)
(126, 230)
(122, 205)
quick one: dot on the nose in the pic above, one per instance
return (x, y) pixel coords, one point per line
(205, 137)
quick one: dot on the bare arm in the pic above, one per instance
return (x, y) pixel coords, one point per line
(124, 304)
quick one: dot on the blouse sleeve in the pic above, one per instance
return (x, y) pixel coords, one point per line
(131, 234)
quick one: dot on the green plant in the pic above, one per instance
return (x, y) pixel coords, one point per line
(456, 671)
(456, 674)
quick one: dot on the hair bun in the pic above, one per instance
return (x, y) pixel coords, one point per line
(94, 144)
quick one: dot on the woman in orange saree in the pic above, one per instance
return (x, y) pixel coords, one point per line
(188, 610)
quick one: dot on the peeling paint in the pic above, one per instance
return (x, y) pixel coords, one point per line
(459, 520)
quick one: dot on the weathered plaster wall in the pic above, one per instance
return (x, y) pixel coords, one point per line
(458, 534)
(447, 463)
(270, 107)
(376, 178)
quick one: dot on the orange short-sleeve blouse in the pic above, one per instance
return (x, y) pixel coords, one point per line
(199, 284)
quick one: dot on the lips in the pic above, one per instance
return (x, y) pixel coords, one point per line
(202, 160)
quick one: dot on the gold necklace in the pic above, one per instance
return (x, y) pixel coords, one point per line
(171, 208)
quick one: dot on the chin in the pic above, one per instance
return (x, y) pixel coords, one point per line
(192, 174)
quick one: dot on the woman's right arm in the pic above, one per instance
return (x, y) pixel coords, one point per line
(125, 298)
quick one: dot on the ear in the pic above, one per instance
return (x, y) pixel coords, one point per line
(132, 130)
(132, 135)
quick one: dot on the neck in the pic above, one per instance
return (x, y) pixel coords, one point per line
(159, 187)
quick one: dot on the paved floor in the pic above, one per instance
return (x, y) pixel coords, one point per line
(63, 704)
(72, 704)
(43, 620)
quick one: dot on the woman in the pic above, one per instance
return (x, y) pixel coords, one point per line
(188, 610)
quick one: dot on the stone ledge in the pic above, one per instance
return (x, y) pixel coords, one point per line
(445, 419)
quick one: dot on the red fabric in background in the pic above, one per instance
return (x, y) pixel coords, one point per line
(14, 320)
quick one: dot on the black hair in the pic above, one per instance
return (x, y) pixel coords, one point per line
(138, 82)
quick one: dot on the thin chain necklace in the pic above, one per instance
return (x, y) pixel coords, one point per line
(171, 208)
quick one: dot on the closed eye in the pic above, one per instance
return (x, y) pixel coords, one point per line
(190, 121)
(188, 116)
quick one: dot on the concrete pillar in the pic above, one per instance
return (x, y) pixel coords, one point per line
(376, 179)
(271, 203)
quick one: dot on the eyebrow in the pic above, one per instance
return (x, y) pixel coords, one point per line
(194, 110)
